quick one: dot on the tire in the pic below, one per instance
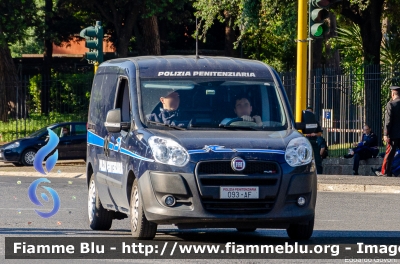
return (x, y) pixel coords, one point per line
(246, 229)
(17, 164)
(99, 218)
(28, 157)
(141, 228)
(301, 231)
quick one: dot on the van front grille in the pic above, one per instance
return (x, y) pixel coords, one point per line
(224, 167)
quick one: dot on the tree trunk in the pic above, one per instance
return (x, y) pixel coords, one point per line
(317, 53)
(333, 58)
(369, 21)
(372, 38)
(122, 47)
(151, 37)
(124, 35)
(230, 36)
(47, 59)
(9, 85)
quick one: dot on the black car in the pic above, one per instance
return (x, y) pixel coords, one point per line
(72, 144)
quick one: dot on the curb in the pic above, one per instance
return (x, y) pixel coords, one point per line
(321, 187)
(76, 175)
(358, 188)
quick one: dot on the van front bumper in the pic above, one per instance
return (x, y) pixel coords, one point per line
(197, 206)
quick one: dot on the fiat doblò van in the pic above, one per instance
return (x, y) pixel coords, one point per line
(206, 142)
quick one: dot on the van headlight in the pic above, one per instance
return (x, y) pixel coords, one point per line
(168, 151)
(298, 152)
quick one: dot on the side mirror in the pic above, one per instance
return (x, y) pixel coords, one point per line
(308, 123)
(113, 121)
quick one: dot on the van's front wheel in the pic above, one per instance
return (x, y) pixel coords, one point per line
(141, 228)
(99, 218)
(301, 231)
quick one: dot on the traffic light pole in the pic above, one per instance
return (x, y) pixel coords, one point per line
(310, 58)
(96, 65)
(301, 70)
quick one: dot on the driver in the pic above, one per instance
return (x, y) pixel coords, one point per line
(169, 112)
(243, 110)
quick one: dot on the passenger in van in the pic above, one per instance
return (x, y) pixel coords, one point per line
(243, 109)
(169, 112)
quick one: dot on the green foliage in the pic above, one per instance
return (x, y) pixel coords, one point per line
(349, 43)
(390, 59)
(30, 44)
(209, 10)
(34, 89)
(68, 92)
(16, 16)
(271, 39)
(267, 27)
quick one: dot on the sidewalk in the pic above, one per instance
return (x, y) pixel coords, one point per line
(366, 184)
(63, 169)
(326, 183)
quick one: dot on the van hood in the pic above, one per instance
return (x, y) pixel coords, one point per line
(227, 144)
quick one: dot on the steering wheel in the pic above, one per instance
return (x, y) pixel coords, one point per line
(232, 120)
(237, 121)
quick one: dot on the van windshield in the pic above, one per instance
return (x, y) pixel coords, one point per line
(233, 104)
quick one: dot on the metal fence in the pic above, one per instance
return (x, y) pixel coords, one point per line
(339, 100)
(66, 99)
(337, 95)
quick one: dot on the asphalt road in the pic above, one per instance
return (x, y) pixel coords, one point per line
(339, 217)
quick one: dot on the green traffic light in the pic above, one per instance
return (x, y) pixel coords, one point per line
(317, 30)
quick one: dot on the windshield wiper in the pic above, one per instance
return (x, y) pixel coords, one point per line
(167, 125)
(257, 128)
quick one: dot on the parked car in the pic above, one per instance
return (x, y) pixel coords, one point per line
(72, 145)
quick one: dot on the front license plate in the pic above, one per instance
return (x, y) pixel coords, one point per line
(1, 155)
(235, 192)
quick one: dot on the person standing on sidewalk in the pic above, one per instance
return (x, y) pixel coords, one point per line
(391, 130)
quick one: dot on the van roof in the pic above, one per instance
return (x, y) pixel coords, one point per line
(175, 65)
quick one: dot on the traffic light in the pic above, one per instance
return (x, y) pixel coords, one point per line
(94, 42)
(318, 17)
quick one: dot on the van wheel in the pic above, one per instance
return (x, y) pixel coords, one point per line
(99, 218)
(141, 228)
(28, 156)
(301, 231)
(246, 229)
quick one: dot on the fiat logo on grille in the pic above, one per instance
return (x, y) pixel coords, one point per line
(238, 164)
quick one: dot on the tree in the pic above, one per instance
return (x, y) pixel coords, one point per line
(267, 27)
(225, 11)
(58, 23)
(15, 17)
(367, 15)
(123, 18)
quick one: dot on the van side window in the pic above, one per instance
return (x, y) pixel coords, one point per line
(123, 101)
(104, 86)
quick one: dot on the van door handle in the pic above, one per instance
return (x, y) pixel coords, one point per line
(105, 147)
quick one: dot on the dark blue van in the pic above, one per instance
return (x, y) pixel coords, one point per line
(205, 142)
